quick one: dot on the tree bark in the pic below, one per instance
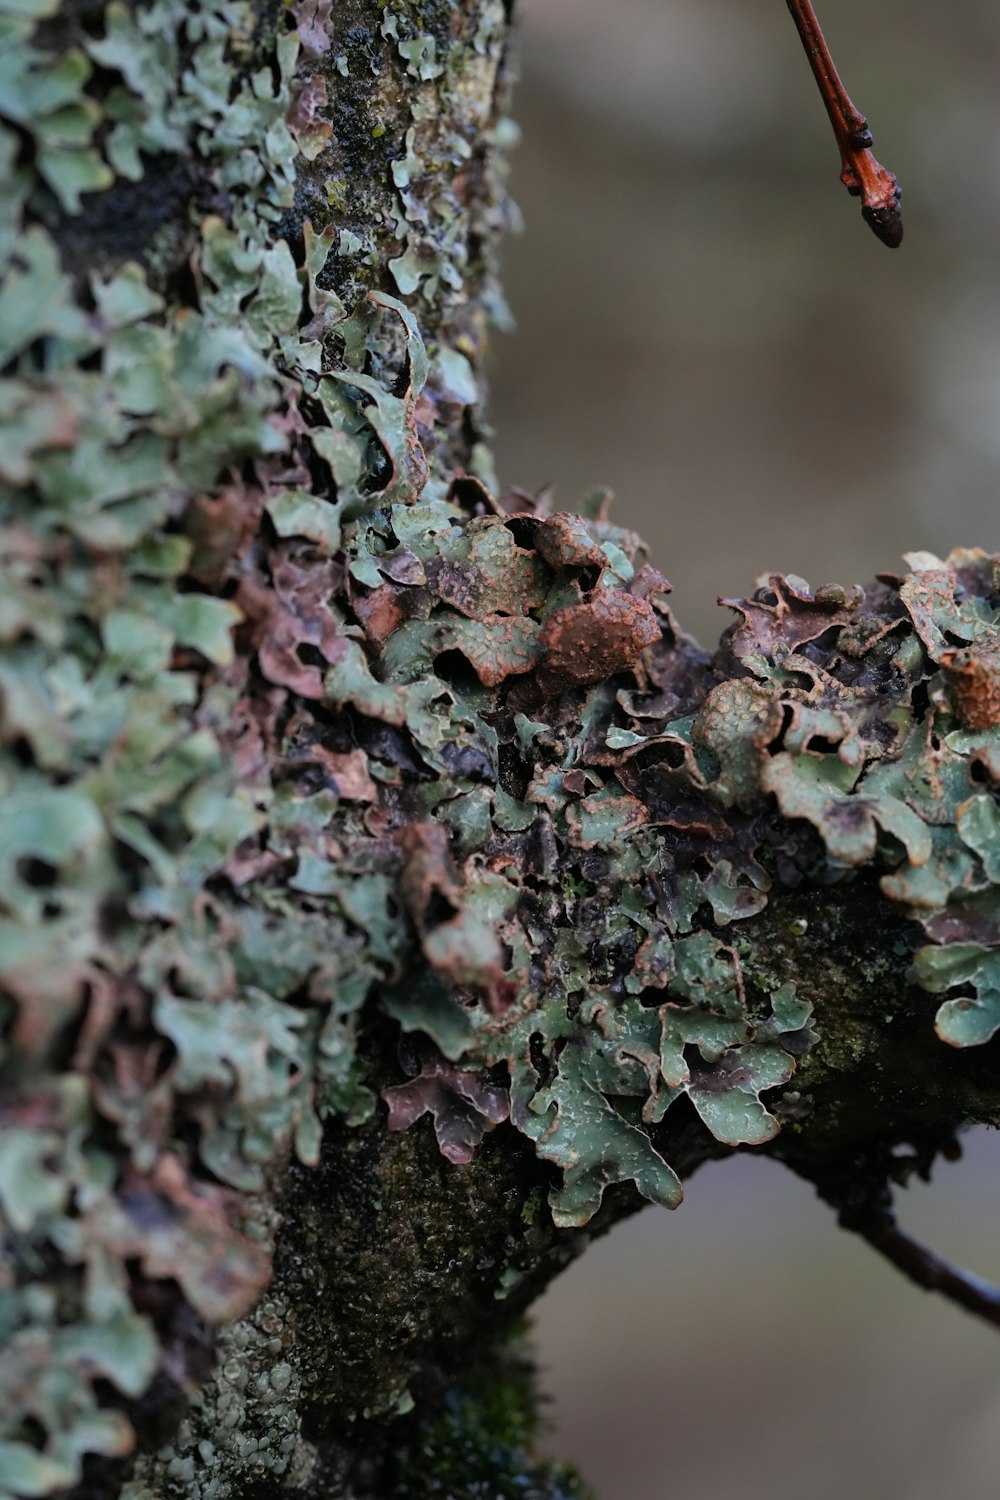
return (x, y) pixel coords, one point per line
(394, 896)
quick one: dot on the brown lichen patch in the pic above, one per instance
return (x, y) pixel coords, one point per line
(305, 116)
(586, 642)
(973, 678)
(381, 610)
(221, 527)
(786, 612)
(563, 539)
(487, 573)
(463, 1106)
(181, 1228)
(496, 647)
(313, 25)
(298, 635)
(457, 943)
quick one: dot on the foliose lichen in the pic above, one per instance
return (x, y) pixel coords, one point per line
(301, 727)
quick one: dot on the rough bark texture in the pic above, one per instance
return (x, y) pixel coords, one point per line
(343, 792)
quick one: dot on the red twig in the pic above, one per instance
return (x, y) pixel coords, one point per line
(860, 173)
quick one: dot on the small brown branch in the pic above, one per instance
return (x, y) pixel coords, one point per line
(860, 173)
(858, 1185)
(929, 1270)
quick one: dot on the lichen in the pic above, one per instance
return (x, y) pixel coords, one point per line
(245, 1419)
(304, 736)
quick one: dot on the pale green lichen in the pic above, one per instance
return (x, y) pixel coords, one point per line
(244, 1420)
(121, 802)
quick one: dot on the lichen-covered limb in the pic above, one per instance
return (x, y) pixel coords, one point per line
(392, 896)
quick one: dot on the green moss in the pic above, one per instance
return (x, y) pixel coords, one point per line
(478, 1445)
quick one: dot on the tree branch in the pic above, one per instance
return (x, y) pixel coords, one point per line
(931, 1272)
(345, 792)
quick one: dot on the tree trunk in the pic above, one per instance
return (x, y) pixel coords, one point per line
(341, 792)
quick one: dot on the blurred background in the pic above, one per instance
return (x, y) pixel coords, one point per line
(704, 321)
(705, 325)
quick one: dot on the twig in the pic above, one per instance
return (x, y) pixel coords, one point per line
(860, 172)
(929, 1270)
